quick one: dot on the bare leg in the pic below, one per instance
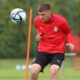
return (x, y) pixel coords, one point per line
(35, 71)
(54, 71)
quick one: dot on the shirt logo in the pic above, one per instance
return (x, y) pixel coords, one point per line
(55, 29)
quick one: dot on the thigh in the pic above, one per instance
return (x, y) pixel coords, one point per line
(42, 59)
(57, 59)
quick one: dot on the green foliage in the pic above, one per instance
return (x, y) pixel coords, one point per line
(13, 37)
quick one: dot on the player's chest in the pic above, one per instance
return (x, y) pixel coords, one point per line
(50, 27)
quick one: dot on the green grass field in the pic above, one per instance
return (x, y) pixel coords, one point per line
(8, 71)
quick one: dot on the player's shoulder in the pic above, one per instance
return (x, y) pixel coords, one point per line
(36, 19)
(59, 17)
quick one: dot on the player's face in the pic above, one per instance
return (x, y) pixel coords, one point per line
(45, 15)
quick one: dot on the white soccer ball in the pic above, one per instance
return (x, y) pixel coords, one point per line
(18, 15)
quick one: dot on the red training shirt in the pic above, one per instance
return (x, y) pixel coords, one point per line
(55, 34)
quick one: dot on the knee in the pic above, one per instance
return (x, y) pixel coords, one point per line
(54, 70)
(35, 70)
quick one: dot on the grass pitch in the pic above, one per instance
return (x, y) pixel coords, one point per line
(8, 71)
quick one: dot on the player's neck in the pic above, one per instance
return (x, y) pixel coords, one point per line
(49, 19)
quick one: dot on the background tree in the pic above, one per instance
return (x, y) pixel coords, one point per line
(13, 37)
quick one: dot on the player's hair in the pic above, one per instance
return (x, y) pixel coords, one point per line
(44, 7)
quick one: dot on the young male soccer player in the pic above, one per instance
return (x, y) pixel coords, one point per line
(53, 33)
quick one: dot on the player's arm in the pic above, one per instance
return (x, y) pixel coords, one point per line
(39, 34)
(69, 39)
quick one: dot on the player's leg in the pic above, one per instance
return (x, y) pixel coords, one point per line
(55, 66)
(54, 70)
(36, 68)
(40, 62)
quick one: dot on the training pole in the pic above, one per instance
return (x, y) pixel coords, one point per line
(28, 43)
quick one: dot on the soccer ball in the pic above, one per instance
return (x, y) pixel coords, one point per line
(18, 15)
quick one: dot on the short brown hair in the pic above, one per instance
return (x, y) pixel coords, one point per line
(44, 7)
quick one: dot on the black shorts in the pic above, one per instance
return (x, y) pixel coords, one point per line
(44, 59)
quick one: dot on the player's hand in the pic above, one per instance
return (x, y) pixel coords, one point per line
(71, 46)
(39, 37)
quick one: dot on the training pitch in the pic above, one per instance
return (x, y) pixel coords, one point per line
(8, 71)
